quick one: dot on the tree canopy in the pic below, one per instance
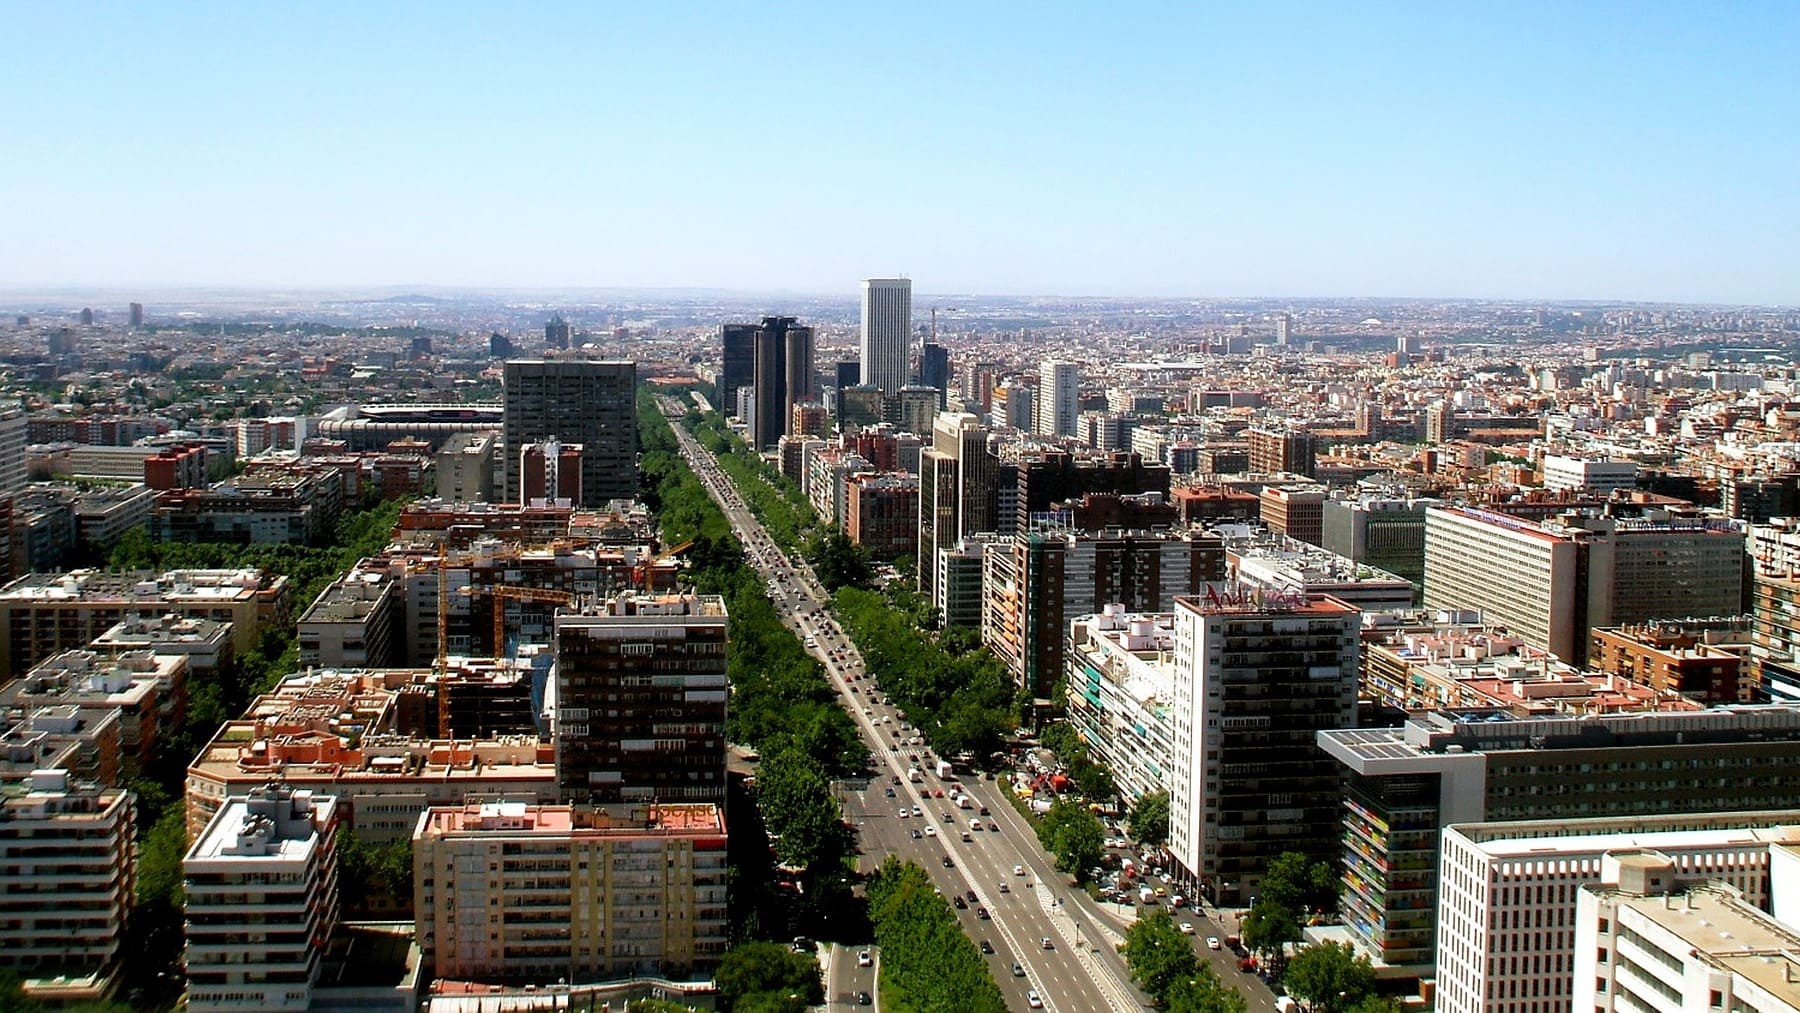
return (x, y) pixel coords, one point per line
(762, 976)
(1329, 977)
(1149, 820)
(1157, 953)
(1075, 836)
(927, 963)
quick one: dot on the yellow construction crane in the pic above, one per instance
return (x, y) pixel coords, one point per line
(443, 610)
(503, 592)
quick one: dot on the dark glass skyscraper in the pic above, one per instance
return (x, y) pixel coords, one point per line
(783, 375)
(737, 367)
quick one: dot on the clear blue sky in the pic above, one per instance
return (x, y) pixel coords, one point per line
(1568, 150)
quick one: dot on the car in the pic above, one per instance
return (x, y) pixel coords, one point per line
(1018, 870)
(1187, 929)
(948, 818)
(1046, 943)
(1004, 888)
(905, 812)
(890, 793)
(967, 839)
(930, 831)
(920, 813)
(864, 999)
(1033, 1000)
(970, 894)
(1018, 970)
(982, 913)
(987, 947)
(1212, 942)
(984, 810)
(949, 863)
(916, 835)
(864, 960)
(959, 902)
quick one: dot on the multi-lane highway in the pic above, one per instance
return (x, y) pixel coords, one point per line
(1048, 940)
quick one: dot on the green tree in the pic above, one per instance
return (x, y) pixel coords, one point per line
(1376, 1004)
(837, 561)
(1268, 926)
(927, 963)
(1329, 977)
(159, 863)
(796, 802)
(1075, 836)
(1204, 993)
(1299, 884)
(752, 970)
(1149, 818)
(1157, 953)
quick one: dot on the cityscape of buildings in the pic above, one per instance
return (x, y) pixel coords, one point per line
(1489, 607)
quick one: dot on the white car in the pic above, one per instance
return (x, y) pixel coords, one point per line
(930, 831)
(1018, 870)
(864, 960)
(1187, 928)
(1033, 1000)
(1212, 942)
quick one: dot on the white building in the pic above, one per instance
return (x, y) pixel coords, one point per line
(66, 881)
(1257, 674)
(886, 333)
(261, 885)
(1506, 909)
(1571, 473)
(1519, 575)
(1058, 398)
(1121, 686)
(1650, 939)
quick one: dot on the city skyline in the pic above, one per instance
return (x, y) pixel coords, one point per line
(1603, 153)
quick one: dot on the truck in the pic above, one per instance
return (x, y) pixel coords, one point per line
(1146, 896)
(964, 802)
(915, 775)
(943, 770)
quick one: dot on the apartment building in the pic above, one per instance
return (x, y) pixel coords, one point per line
(1121, 688)
(465, 467)
(1296, 513)
(147, 691)
(354, 623)
(1699, 660)
(261, 889)
(376, 741)
(43, 613)
(1036, 583)
(66, 884)
(1257, 675)
(508, 891)
(205, 643)
(882, 514)
(1282, 563)
(1380, 531)
(640, 700)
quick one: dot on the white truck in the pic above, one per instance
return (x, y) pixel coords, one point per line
(964, 802)
(943, 770)
(916, 776)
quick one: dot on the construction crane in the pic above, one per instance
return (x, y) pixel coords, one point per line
(443, 610)
(503, 592)
(647, 565)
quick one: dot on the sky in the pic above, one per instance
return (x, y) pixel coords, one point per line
(1644, 151)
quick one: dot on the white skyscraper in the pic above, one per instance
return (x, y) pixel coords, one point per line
(886, 333)
(1059, 398)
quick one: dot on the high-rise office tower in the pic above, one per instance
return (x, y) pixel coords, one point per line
(782, 374)
(1284, 325)
(590, 403)
(1290, 449)
(1059, 398)
(640, 701)
(1257, 675)
(848, 374)
(737, 366)
(137, 314)
(886, 332)
(556, 332)
(499, 346)
(957, 495)
(934, 370)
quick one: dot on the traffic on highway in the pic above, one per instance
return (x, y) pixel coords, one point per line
(1048, 944)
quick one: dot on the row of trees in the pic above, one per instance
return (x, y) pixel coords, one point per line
(1163, 963)
(771, 496)
(927, 963)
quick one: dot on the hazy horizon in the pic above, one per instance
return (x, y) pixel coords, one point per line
(1597, 153)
